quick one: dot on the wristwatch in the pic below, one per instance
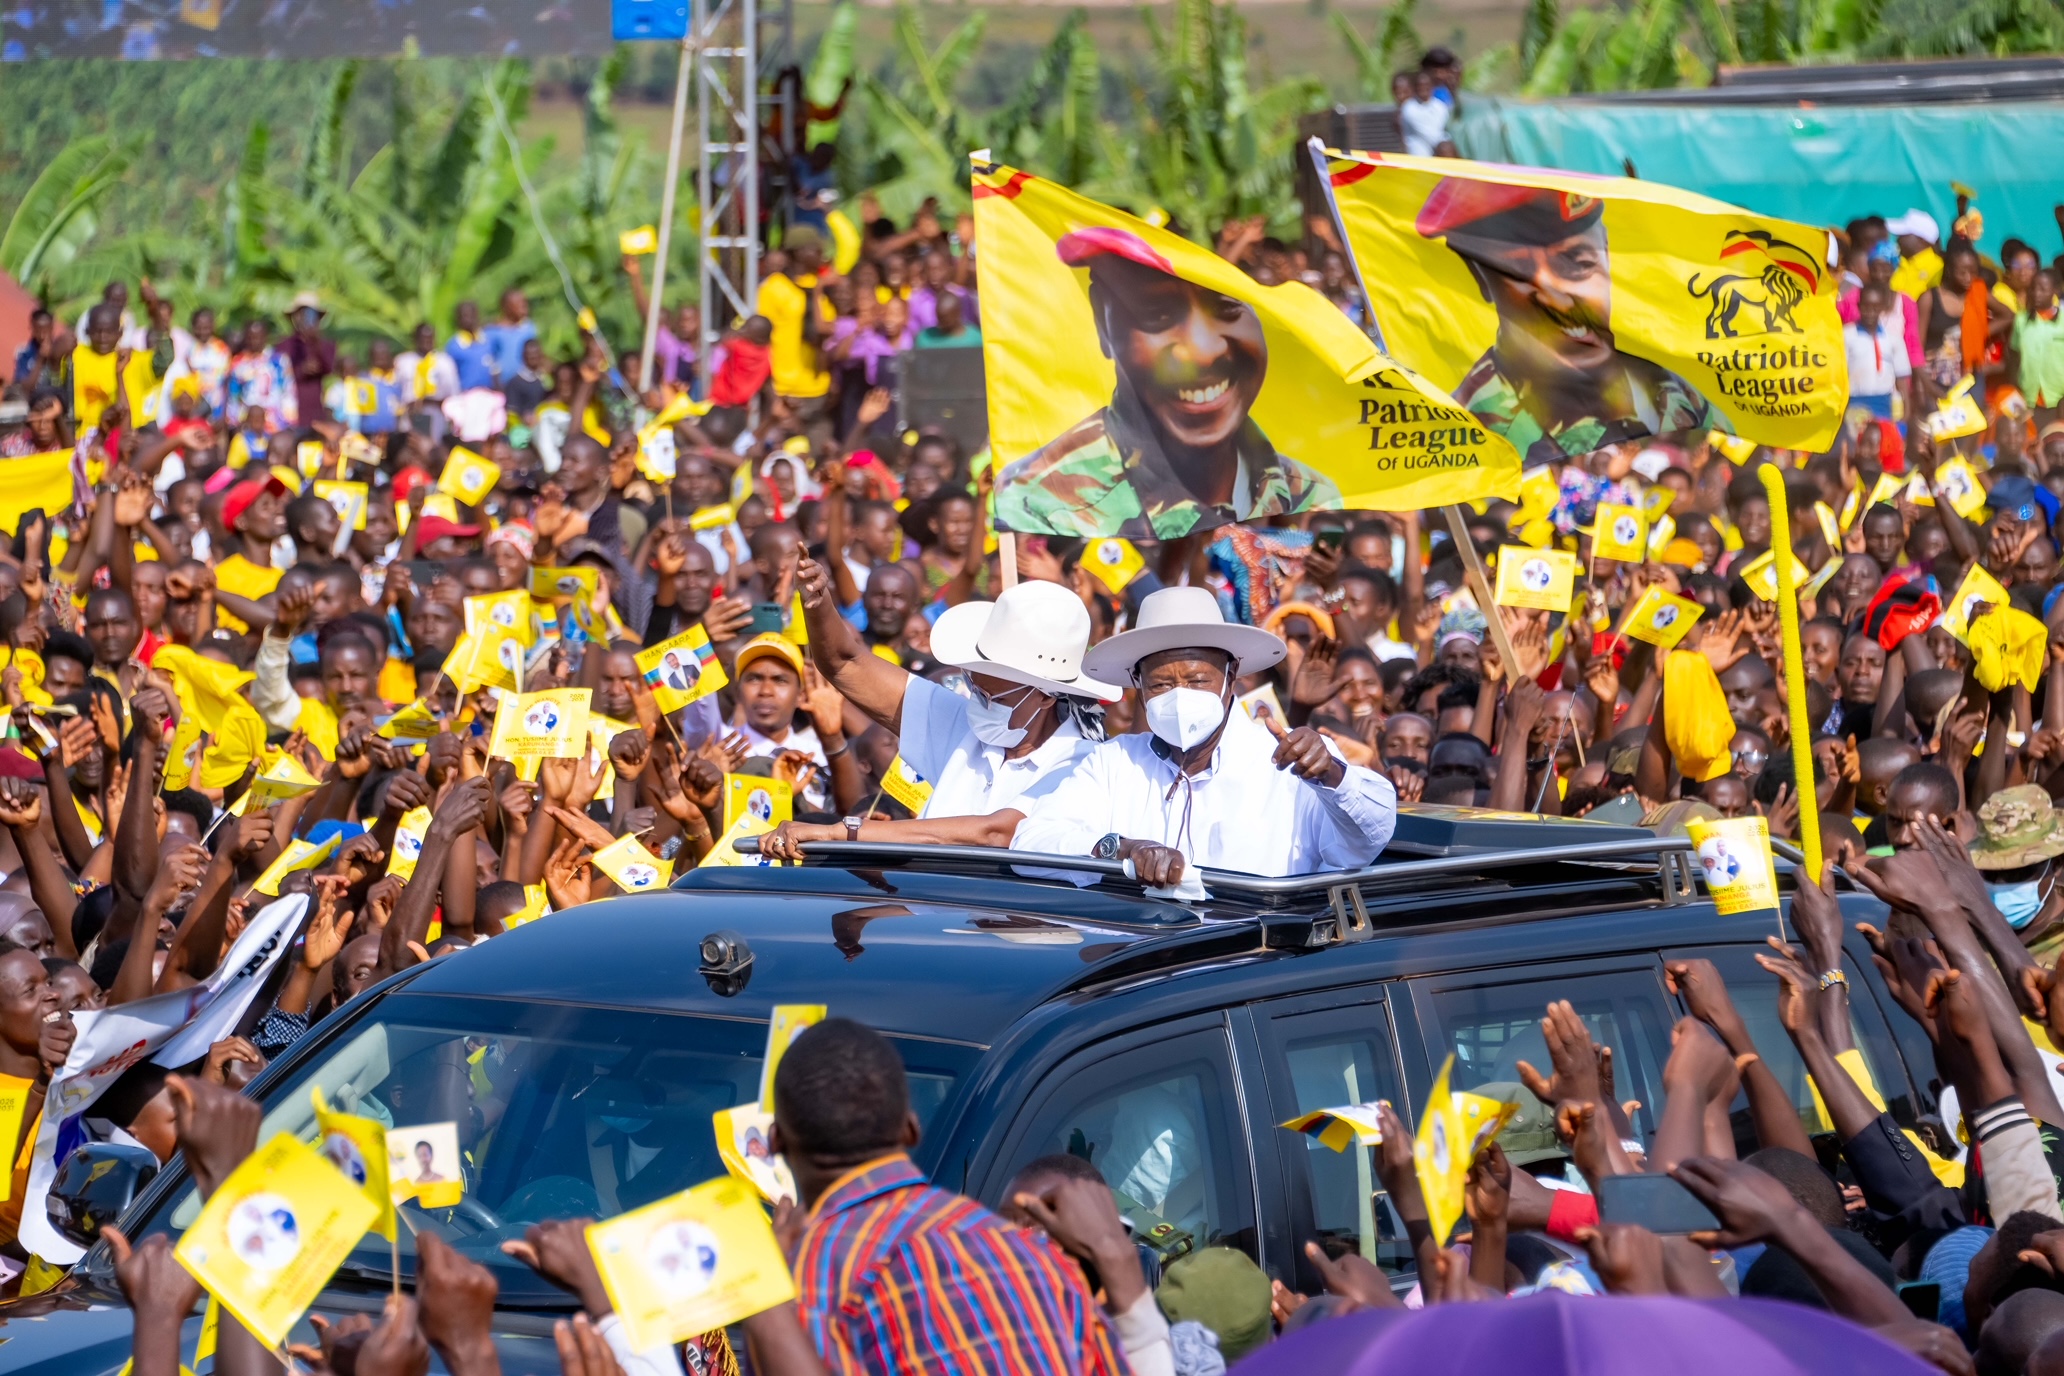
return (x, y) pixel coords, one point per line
(853, 827)
(1106, 847)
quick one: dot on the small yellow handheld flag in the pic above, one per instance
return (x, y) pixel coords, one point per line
(501, 614)
(1734, 853)
(548, 725)
(698, 1260)
(535, 905)
(284, 778)
(423, 1164)
(906, 786)
(1619, 532)
(1454, 1127)
(1113, 562)
(636, 243)
(633, 868)
(273, 1233)
(743, 1146)
(770, 800)
(468, 477)
(408, 842)
(1341, 1128)
(1760, 574)
(1543, 579)
(299, 855)
(413, 721)
(1958, 483)
(488, 660)
(787, 1022)
(348, 500)
(681, 669)
(357, 1147)
(1885, 489)
(1977, 589)
(1661, 618)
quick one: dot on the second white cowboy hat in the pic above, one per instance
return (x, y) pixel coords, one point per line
(1033, 634)
(1181, 619)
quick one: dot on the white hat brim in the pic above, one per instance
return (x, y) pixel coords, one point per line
(955, 637)
(1252, 648)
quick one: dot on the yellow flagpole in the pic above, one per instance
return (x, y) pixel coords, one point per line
(1794, 667)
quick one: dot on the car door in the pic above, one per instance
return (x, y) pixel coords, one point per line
(1324, 1051)
(1162, 1114)
(1490, 1021)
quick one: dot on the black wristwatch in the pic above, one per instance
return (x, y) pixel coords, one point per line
(1106, 847)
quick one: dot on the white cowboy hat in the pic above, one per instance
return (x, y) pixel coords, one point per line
(1181, 619)
(1033, 634)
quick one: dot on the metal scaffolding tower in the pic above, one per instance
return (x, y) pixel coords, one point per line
(742, 158)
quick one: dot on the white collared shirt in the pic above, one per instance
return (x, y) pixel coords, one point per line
(968, 778)
(1241, 813)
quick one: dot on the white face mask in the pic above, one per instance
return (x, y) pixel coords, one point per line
(990, 720)
(1186, 717)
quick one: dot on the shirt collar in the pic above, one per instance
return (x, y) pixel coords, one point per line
(869, 1180)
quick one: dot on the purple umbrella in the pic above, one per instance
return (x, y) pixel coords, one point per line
(1553, 1334)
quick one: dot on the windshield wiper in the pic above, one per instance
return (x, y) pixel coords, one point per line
(544, 1295)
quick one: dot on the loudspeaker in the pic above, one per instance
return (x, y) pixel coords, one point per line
(946, 389)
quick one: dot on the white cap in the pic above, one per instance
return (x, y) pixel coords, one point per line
(1918, 223)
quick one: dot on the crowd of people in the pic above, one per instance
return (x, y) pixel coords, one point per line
(187, 617)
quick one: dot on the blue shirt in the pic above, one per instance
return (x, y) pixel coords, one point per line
(505, 347)
(472, 361)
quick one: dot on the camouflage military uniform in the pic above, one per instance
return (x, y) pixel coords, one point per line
(1106, 477)
(1664, 405)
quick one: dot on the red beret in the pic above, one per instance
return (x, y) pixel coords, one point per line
(239, 498)
(1459, 201)
(1078, 248)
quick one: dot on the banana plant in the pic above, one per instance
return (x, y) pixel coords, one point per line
(56, 218)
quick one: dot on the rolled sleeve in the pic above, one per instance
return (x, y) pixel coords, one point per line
(1363, 812)
(271, 693)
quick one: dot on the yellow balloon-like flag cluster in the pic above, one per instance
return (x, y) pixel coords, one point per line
(1141, 386)
(1571, 312)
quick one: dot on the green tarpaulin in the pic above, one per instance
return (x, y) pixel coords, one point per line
(1822, 165)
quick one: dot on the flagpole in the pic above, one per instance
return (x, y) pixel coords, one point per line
(1458, 530)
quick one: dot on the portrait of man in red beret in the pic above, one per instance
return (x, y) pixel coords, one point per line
(1554, 382)
(1176, 449)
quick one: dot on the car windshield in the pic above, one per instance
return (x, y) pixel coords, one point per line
(562, 1112)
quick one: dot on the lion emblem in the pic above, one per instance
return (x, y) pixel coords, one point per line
(1779, 275)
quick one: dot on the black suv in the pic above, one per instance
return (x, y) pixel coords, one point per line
(1165, 1042)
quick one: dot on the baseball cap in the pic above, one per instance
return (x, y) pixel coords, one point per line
(771, 643)
(431, 529)
(1918, 223)
(239, 498)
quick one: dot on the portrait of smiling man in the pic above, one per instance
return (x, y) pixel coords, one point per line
(1554, 381)
(1175, 450)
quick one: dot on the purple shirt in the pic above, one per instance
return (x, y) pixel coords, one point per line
(870, 348)
(675, 357)
(924, 307)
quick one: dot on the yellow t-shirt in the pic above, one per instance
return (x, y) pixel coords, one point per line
(242, 578)
(93, 385)
(320, 723)
(236, 745)
(1918, 273)
(798, 366)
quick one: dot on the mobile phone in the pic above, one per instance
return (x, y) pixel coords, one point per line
(768, 616)
(1330, 538)
(1655, 1202)
(1923, 1299)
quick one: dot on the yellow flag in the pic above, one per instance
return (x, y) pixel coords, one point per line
(548, 725)
(489, 660)
(1885, 489)
(1543, 579)
(348, 500)
(1144, 387)
(723, 853)
(1619, 532)
(1958, 482)
(1956, 415)
(743, 1147)
(14, 1105)
(1661, 618)
(467, 477)
(633, 868)
(501, 613)
(207, 688)
(1734, 852)
(358, 1148)
(1114, 562)
(906, 785)
(1340, 1128)
(1657, 500)
(768, 800)
(713, 517)
(681, 669)
(184, 756)
(1760, 574)
(787, 1022)
(298, 855)
(414, 721)
(1660, 533)
(636, 243)
(535, 905)
(1978, 588)
(2008, 646)
(32, 483)
(1538, 492)
(271, 1235)
(408, 842)
(701, 1259)
(284, 778)
(424, 1164)
(1701, 315)
(564, 585)
(1454, 1127)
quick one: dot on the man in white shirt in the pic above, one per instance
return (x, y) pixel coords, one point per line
(1210, 786)
(989, 751)
(1423, 118)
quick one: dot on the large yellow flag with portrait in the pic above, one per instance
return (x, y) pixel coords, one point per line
(1571, 312)
(1141, 386)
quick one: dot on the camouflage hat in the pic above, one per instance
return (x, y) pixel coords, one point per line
(2017, 827)
(1528, 1135)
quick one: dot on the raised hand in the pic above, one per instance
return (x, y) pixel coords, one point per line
(216, 1128)
(558, 1251)
(1752, 1205)
(1627, 1257)
(1353, 1277)
(1572, 1056)
(1303, 752)
(458, 1299)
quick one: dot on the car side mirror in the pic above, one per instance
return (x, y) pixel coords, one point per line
(94, 1185)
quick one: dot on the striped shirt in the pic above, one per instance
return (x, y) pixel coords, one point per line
(894, 1276)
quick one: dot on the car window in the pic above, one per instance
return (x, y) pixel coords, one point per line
(1754, 991)
(1491, 1027)
(1160, 1121)
(1326, 1058)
